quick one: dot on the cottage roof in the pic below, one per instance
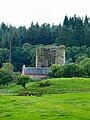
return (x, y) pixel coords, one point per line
(36, 70)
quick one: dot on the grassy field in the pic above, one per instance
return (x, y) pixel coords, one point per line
(48, 107)
(71, 101)
(58, 85)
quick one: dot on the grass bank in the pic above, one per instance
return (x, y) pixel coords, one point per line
(57, 85)
(63, 99)
(68, 106)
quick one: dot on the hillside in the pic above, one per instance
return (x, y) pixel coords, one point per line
(57, 85)
(71, 101)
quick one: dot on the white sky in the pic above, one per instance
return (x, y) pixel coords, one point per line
(23, 12)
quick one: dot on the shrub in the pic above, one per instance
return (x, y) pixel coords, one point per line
(44, 83)
(60, 72)
(54, 69)
(8, 66)
(72, 70)
(26, 93)
(80, 58)
(57, 71)
(5, 77)
(85, 65)
(22, 80)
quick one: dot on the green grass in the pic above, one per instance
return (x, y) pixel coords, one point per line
(64, 99)
(58, 85)
(62, 85)
(68, 106)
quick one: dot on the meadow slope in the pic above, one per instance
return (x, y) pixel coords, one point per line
(64, 99)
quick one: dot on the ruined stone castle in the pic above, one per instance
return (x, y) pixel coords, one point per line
(45, 57)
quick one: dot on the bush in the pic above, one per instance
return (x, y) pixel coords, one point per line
(57, 71)
(72, 70)
(44, 83)
(85, 65)
(54, 69)
(26, 93)
(80, 58)
(8, 66)
(60, 72)
(5, 77)
(22, 80)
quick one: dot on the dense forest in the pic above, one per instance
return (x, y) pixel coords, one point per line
(17, 45)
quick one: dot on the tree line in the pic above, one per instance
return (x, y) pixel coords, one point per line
(21, 42)
(81, 69)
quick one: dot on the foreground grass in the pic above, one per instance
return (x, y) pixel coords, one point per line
(58, 85)
(64, 99)
(68, 106)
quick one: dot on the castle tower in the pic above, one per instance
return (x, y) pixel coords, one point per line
(60, 55)
(42, 57)
(45, 57)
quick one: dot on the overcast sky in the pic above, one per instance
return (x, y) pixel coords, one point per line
(23, 12)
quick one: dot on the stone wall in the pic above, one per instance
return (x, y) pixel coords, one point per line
(60, 55)
(45, 57)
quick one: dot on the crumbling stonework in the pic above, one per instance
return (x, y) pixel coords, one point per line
(45, 57)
